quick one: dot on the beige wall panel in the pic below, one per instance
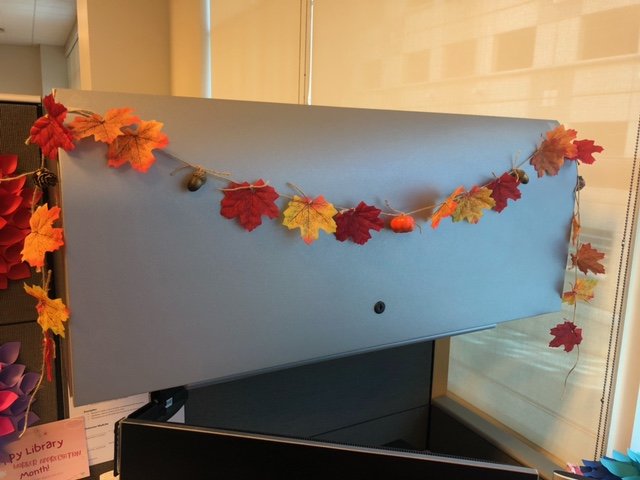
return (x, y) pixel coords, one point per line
(124, 46)
(256, 49)
(189, 51)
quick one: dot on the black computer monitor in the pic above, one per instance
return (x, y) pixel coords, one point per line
(158, 450)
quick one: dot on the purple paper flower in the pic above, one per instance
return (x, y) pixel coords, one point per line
(15, 388)
(592, 469)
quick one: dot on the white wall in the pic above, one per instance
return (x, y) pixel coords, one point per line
(32, 70)
(20, 70)
(53, 68)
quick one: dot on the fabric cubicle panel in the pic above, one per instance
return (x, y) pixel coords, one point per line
(177, 294)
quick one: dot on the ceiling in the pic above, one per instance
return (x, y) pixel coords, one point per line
(36, 22)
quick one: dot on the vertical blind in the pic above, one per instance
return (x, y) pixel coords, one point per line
(574, 61)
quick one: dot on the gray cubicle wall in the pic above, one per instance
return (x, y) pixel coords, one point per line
(164, 291)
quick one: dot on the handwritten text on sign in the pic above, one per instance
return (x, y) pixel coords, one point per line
(52, 450)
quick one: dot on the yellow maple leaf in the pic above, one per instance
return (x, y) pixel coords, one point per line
(447, 208)
(44, 237)
(51, 313)
(472, 204)
(582, 291)
(104, 129)
(310, 216)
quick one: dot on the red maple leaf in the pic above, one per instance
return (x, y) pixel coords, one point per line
(567, 335)
(355, 223)
(585, 150)
(588, 259)
(504, 188)
(558, 145)
(48, 354)
(49, 132)
(248, 202)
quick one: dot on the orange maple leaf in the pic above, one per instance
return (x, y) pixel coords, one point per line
(136, 146)
(52, 313)
(549, 156)
(588, 259)
(310, 216)
(575, 230)
(581, 291)
(104, 129)
(447, 208)
(43, 237)
(472, 204)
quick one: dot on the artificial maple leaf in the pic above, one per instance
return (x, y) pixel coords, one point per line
(588, 259)
(310, 216)
(49, 132)
(585, 150)
(549, 156)
(503, 188)
(566, 334)
(248, 203)
(472, 204)
(52, 313)
(575, 229)
(581, 291)
(48, 354)
(447, 208)
(136, 146)
(104, 129)
(43, 237)
(355, 223)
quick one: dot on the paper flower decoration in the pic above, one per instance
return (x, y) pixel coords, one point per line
(619, 467)
(15, 211)
(15, 388)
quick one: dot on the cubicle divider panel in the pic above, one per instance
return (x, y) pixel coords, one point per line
(165, 291)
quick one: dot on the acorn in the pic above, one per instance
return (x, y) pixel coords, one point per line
(44, 178)
(580, 183)
(198, 179)
(520, 175)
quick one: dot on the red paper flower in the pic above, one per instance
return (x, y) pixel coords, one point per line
(15, 211)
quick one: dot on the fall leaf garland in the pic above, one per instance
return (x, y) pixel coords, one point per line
(134, 141)
(586, 259)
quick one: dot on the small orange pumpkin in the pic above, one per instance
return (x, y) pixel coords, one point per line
(403, 223)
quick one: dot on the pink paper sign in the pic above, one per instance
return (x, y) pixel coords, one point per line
(56, 450)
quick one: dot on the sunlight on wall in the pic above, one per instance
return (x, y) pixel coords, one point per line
(571, 60)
